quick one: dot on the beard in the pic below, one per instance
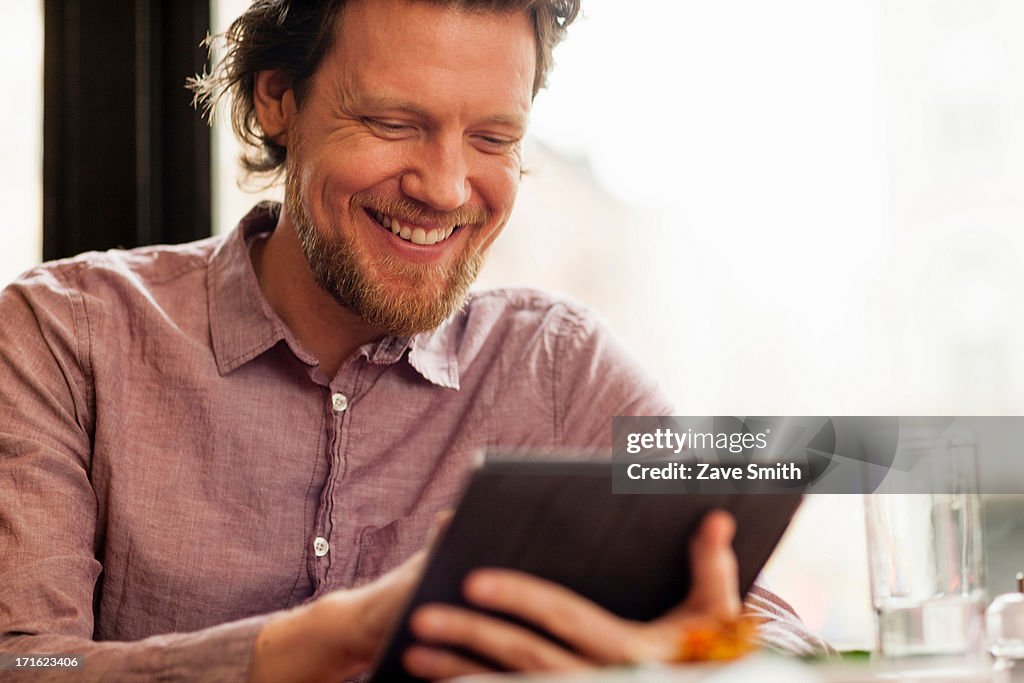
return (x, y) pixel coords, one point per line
(399, 298)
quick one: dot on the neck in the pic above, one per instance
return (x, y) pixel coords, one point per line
(329, 331)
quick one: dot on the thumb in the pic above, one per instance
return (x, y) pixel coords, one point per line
(441, 520)
(715, 589)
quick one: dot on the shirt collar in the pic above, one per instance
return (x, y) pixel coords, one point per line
(434, 354)
(243, 325)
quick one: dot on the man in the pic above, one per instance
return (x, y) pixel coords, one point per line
(217, 459)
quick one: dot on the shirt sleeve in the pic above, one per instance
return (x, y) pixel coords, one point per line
(596, 379)
(48, 509)
(781, 629)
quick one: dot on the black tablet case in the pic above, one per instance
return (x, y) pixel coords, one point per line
(561, 521)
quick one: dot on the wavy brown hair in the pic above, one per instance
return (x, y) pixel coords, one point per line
(294, 36)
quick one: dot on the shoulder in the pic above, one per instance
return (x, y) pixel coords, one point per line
(145, 266)
(522, 325)
(103, 298)
(94, 271)
(562, 354)
(543, 332)
(146, 277)
(526, 311)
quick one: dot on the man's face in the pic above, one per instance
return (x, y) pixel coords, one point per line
(404, 160)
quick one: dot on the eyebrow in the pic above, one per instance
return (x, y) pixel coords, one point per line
(386, 102)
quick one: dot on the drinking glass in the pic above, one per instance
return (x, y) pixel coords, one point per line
(925, 550)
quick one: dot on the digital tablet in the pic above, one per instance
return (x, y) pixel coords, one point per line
(561, 521)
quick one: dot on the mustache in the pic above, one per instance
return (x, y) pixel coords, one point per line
(415, 212)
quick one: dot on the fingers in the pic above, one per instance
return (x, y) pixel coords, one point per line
(506, 644)
(593, 634)
(432, 663)
(715, 589)
(378, 604)
(592, 631)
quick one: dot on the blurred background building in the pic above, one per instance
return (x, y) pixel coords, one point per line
(796, 207)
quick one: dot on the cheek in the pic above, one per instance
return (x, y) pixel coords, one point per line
(499, 185)
(340, 173)
(499, 194)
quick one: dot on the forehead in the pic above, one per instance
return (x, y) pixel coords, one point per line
(467, 60)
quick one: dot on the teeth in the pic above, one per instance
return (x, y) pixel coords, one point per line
(414, 235)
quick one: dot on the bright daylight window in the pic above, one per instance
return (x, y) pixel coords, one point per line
(21, 119)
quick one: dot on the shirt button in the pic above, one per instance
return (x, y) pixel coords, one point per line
(320, 546)
(339, 402)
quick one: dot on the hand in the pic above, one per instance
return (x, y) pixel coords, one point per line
(339, 634)
(596, 636)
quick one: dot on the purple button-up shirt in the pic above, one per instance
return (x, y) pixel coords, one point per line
(174, 465)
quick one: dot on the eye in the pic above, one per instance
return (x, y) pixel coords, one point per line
(391, 128)
(496, 145)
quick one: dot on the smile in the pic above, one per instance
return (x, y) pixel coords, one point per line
(416, 235)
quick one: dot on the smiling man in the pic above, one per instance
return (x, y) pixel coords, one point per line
(402, 168)
(218, 461)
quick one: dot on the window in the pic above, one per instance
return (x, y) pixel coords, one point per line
(231, 198)
(21, 116)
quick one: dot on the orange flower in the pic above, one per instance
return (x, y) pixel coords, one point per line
(714, 640)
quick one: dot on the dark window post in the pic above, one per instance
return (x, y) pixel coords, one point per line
(126, 160)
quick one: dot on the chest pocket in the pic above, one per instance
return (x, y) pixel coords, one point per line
(384, 548)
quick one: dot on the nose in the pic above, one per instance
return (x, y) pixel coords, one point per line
(438, 174)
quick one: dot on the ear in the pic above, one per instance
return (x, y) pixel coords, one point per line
(274, 100)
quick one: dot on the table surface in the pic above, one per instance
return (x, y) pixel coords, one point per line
(760, 668)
